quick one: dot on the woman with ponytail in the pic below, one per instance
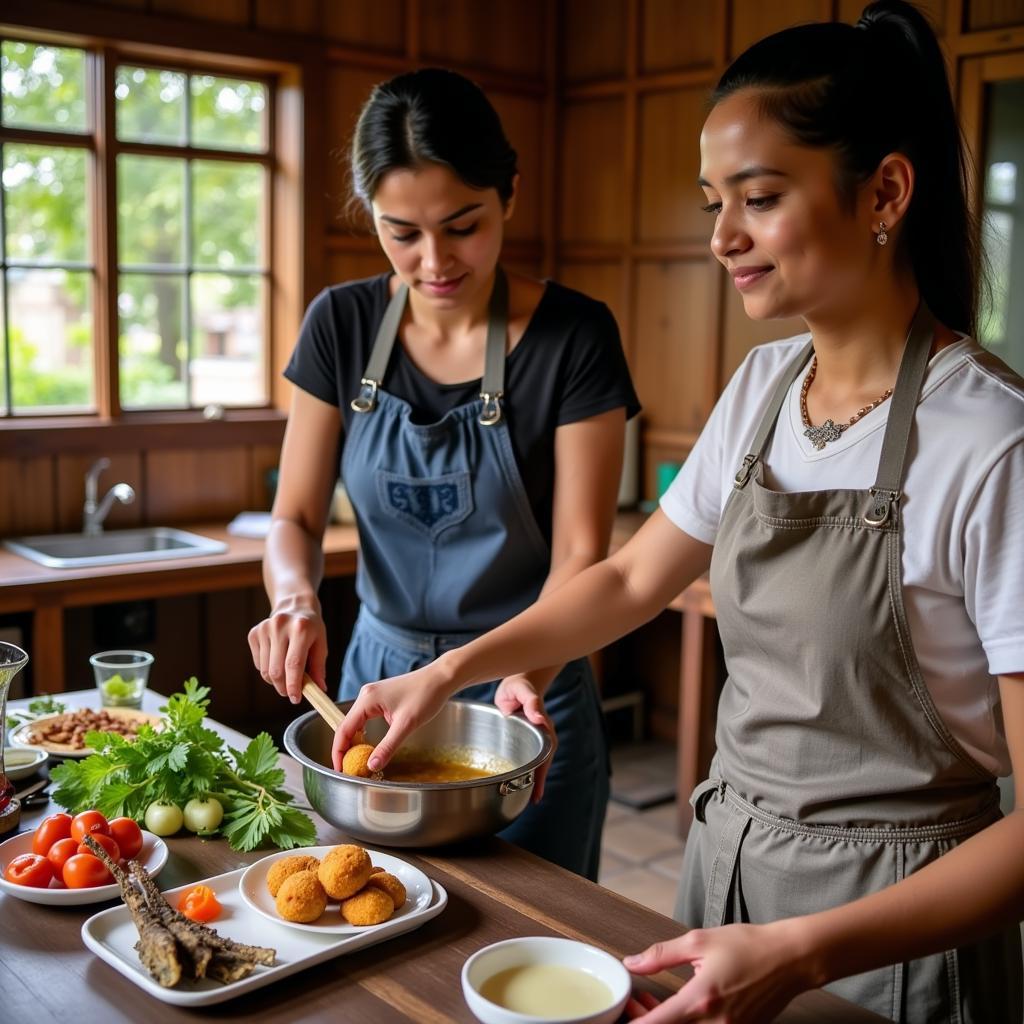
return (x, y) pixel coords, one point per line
(856, 494)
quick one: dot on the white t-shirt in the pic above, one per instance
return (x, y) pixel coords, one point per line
(963, 509)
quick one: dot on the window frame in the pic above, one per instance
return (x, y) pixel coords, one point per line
(102, 147)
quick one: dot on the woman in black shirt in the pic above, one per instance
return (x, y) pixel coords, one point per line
(472, 496)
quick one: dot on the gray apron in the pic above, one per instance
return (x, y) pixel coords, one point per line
(448, 549)
(835, 775)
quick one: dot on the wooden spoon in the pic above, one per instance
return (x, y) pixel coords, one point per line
(330, 712)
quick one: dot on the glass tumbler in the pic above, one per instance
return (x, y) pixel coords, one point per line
(12, 661)
(121, 677)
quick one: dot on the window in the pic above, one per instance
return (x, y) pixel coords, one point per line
(186, 254)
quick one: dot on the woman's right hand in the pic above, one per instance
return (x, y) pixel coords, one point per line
(292, 640)
(404, 702)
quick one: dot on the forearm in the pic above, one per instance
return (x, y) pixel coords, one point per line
(970, 892)
(582, 615)
(292, 566)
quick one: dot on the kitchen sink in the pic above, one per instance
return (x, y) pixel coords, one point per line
(79, 550)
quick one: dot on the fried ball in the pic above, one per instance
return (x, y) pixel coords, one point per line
(344, 871)
(388, 883)
(286, 866)
(354, 761)
(301, 898)
(371, 906)
(376, 870)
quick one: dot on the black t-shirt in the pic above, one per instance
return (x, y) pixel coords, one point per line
(568, 366)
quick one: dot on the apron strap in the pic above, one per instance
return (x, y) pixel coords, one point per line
(764, 431)
(913, 367)
(493, 384)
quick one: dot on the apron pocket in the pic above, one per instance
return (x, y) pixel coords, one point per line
(428, 505)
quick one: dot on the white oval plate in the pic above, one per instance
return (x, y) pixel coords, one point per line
(22, 735)
(253, 888)
(16, 772)
(152, 856)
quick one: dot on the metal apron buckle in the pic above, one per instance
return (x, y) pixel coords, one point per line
(885, 504)
(366, 400)
(741, 478)
(491, 413)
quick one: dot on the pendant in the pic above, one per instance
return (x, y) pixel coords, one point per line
(820, 436)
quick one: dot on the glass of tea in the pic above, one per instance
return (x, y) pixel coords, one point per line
(12, 660)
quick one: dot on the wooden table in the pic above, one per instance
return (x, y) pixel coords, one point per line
(495, 892)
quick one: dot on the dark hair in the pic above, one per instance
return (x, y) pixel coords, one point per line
(866, 91)
(431, 116)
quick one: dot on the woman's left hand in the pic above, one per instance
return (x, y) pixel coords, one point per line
(518, 691)
(742, 973)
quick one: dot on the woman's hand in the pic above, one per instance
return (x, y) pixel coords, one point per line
(518, 691)
(742, 973)
(404, 702)
(290, 642)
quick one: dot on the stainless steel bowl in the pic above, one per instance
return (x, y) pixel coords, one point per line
(424, 814)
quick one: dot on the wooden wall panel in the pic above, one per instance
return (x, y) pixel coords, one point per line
(125, 467)
(351, 266)
(673, 362)
(593, 39)
(347, 90)
(292, 16)
(592, 197)
(984, 14)
(27, 498)
(669, 199)
(741, 333)
(523, 120)
(676, 34)
(262, 457)
(183, 486)
(232, 12)
(754, 19)
(500, 36)
(379, 24)
(603, 281)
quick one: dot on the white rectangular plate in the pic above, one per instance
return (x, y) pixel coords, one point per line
(111, 935)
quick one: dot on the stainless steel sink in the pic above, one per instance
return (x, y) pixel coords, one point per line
(78, 550)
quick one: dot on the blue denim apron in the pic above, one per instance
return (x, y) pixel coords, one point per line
(448, 549)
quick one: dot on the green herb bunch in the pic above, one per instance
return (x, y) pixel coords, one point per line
(182, 761)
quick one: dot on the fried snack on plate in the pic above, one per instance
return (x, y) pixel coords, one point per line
(344, 871)
(301, 898)
(371, 906)
(354, 761)
(390, 884)
(286, 866)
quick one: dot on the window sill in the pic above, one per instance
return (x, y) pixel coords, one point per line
(52, 435)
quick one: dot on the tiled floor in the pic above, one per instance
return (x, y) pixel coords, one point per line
(641, 852)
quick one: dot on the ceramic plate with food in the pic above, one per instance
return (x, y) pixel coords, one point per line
(62, 735)
(258, 879)
(152, 856)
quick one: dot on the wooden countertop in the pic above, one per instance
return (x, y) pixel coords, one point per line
(25, 585)
(495, 891)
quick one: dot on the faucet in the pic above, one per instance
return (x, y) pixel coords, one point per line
(93, 514)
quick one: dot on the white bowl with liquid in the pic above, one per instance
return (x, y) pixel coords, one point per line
(538, 978)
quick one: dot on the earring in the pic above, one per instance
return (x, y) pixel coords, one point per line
(883, 236)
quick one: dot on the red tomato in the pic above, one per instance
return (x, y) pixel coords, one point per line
(108, 844)
(50, 830)
(84, 871)
(29, 869)
(88, 821)
(59, 853)
(128, 837)
(199, 903)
